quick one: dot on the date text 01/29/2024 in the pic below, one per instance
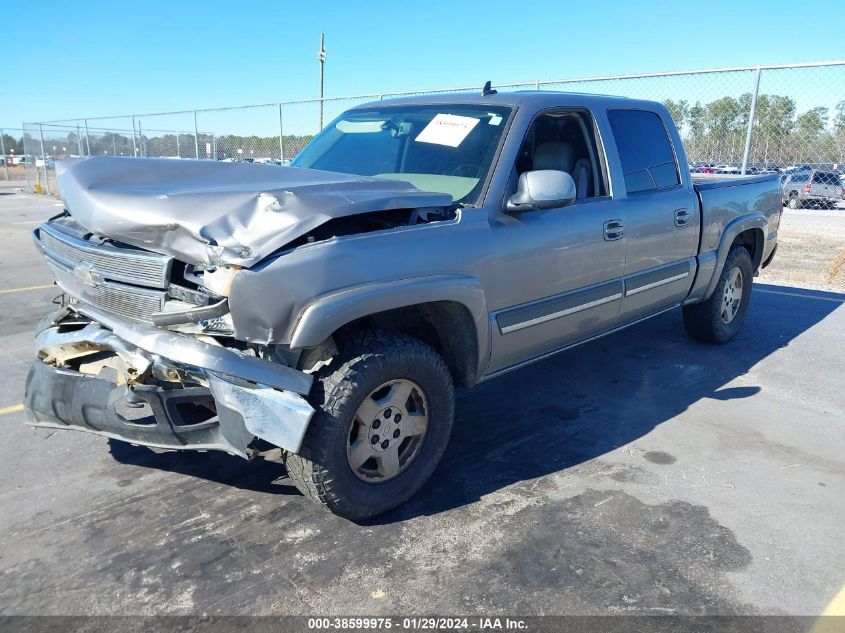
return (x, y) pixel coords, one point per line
(417, 623)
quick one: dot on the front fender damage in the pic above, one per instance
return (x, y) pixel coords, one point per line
(159, 391)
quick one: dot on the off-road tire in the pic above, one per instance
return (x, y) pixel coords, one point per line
(366, 360)
(703, 321)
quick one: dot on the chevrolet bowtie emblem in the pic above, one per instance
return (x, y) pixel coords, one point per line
(87, 275)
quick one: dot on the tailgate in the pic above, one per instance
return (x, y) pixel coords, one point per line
(826, 185)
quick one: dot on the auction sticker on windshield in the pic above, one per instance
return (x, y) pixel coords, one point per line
(447, 129)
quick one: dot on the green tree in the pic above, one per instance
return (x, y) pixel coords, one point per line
(679, 110)
(725, 119)
(839, 117)
(11, 143)
(812, 122)
(772, 126)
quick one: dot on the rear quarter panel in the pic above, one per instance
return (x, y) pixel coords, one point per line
(730, 206)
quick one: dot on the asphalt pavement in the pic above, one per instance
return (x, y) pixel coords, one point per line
(642, 473)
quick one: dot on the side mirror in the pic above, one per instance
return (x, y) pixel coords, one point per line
(542, 189)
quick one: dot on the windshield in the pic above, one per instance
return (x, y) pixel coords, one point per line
(438, 148)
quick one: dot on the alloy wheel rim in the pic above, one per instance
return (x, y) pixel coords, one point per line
(388, 431)
(732, 296)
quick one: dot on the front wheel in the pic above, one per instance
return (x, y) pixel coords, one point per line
(794, 202)
(720, 318)
(384, 416)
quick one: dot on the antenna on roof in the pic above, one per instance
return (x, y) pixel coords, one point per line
(487, 90)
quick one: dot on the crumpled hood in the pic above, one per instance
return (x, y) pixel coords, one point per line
(208, 212)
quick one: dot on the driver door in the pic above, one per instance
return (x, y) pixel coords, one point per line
(558, 272)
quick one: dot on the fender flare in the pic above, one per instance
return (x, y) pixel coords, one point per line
(328, 312)
(756, 221)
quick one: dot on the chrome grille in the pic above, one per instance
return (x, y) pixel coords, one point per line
(131, 302)
(109, 262)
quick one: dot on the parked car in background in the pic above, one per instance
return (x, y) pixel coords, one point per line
(811, 187)
(794, 168)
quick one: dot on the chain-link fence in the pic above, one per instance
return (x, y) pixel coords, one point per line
(734, 119)
(12, 153)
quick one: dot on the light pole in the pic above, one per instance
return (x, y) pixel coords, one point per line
(321, 57)
(3, 154)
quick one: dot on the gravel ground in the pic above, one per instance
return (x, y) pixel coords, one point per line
(811, 250)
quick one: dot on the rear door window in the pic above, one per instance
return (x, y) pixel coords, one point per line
(822, 178)
(645, 151)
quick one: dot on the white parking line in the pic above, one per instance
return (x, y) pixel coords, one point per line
(799, 294)
(29, 208)
(6, 291)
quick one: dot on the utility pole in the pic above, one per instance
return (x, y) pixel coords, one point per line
(321, 57)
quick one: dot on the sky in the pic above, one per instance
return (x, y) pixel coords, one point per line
(64, 59)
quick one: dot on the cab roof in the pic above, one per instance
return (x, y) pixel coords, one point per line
(538, 99)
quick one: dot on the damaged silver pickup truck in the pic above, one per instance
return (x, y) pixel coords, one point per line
(326, 311)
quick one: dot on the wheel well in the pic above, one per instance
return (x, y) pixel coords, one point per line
(753, 240)
(447, 326)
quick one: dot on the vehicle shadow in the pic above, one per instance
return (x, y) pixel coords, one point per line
(258, 475)
(568, 409)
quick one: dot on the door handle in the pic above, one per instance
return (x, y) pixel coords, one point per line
(682, 217)
(613, 230)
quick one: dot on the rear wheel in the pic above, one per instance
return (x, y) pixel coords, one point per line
(718, 319)
(794, 202)
(384, 416)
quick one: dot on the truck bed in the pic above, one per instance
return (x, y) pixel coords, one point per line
(727, 198)
(712, 181)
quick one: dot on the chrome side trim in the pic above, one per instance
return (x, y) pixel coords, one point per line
(521, 364)
(656, 284)
(561, 313)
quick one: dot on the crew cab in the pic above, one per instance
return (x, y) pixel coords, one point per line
(324, 313)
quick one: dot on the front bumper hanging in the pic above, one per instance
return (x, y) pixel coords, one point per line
(223, 405)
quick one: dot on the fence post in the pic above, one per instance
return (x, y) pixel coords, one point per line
(25, 167)
(87, 138)
(113, 143)
(196, 137)
(281, 136)
(44, 159)
(134, 143)
(79, 139)
(3, 154)
(140, 139)
(178, 153)
(214, 145)
(751, 120)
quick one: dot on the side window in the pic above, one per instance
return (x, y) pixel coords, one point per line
(564, 141)
(645, 150)
(825, 178)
